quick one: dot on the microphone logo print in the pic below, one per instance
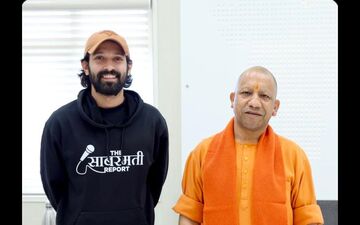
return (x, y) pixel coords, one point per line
(116, 162)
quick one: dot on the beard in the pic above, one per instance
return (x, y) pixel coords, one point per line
(107, 88)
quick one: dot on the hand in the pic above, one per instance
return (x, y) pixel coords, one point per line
(186, 221)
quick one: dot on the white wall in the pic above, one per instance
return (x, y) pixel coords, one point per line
(33, 209)
(167, 92)
(296, 40)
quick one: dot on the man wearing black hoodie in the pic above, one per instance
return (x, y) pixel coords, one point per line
(104, 156)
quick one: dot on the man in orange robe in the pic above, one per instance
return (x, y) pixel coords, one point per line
(247, 174)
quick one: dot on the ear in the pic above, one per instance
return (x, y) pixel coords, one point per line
(276, 107)
(129, 65)
(232, 97)
(85, 66)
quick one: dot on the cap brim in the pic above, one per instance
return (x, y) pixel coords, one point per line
(122, 45)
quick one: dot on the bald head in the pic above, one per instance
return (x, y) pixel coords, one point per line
(256, 69)
(254, 102)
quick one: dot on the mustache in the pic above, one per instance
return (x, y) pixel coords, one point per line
(112, 72)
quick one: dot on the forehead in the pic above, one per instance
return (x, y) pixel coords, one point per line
(256, 79)
(109, 46)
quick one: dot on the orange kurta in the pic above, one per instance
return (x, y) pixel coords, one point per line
(300, 198)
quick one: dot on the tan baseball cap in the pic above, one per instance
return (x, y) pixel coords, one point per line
(97, 38)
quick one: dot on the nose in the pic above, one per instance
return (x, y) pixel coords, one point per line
(108, 65)
(254, 102)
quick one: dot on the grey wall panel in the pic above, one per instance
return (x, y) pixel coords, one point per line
(330, 211)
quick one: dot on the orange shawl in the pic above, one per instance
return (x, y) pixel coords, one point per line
(268, 194)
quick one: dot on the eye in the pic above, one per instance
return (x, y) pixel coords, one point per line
(118, 59)
(264, 96)
(245, 93)
(99, 57)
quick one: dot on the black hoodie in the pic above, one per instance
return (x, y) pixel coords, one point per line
(95, 172)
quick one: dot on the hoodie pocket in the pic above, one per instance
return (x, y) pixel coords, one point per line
(123, 217)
